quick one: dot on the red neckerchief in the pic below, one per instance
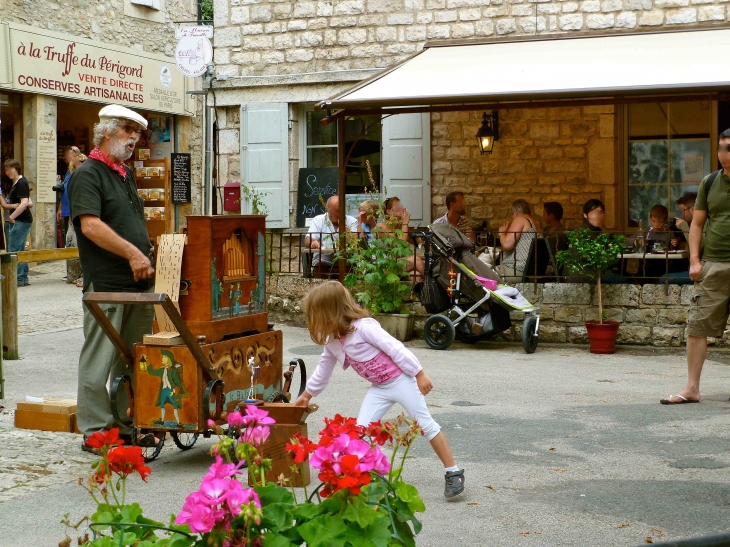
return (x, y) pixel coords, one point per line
(98, 155)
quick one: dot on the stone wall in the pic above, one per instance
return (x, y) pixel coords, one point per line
(652, 315)
(543, 154)
(258, 37)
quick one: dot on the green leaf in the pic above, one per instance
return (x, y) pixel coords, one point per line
(102, 516)
(306, 511)
(275, 540)
(277, 516)
(358, 511)
(131, 512)
(324, 531)
(409, 494)
(271, 493)
(379, 532)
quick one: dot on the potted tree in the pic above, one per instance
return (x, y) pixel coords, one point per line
(591, 255)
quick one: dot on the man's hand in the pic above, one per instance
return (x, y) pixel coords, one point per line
(503, 229)
(424, 383)
(12, 220)
(141, 266)
(678, 223)
(695, 270)
(58, 215)
(314, 244)
(303, 399)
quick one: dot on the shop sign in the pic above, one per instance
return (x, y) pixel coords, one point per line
(50, 63)
(193, 54)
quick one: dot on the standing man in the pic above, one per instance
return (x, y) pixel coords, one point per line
(709, 268)
(63, 213)
(114, 249)
(456, 215)
(20, 218)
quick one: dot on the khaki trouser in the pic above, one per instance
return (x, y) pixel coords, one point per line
(99, 360)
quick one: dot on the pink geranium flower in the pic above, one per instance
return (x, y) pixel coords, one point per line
(220, 470)
(256, 416)
(235, 419)
(256, 435)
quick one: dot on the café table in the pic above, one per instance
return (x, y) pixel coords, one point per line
(656, 255)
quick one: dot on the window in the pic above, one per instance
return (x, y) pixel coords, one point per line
(321, 148)
(152, 4)
(669, 154)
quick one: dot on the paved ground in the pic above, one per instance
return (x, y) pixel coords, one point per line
(560, 447)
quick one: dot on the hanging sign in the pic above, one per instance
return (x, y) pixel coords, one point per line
(204, 31)
(194, 51)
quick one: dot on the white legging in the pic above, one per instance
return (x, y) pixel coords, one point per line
(404, 391)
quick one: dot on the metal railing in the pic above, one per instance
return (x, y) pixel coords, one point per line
(287, 254)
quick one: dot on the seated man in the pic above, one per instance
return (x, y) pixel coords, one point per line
(686, 209)
(553, 229)
(456, 215)
(322, 234)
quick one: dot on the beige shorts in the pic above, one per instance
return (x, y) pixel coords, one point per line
(708, 309)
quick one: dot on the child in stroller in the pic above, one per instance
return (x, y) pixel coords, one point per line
(468, 297)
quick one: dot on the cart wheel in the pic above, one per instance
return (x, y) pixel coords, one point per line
(439, 332)
(529, 336)
(150, 453)
(184, 440)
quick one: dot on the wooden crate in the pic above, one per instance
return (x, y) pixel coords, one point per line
(281, 461)
(187, 382)
(224, 261)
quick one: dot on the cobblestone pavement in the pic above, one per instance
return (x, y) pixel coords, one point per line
(49, 302)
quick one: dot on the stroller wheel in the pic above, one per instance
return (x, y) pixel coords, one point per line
(439, 332)
(529, 336)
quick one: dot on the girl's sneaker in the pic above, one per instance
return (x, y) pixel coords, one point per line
(454, 483)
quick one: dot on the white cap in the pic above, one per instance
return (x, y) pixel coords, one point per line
(121, 112)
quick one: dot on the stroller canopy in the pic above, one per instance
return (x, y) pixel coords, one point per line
(452, 236)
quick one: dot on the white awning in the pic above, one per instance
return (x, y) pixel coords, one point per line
(608, 66)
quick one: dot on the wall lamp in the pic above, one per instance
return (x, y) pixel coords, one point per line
(488, 132)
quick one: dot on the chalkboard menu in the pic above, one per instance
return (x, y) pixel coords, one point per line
(180, 185)
(316, 185)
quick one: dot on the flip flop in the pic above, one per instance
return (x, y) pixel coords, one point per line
(145, 440)
(684, 400)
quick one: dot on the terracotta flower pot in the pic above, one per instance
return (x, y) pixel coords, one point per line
(602, 336)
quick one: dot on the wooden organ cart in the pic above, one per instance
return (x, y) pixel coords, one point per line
(213, 347)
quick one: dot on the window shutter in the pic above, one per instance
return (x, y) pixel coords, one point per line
(407, 163)
(265, 158)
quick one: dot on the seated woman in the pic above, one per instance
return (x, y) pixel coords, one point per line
(516, 239)
(594, 211)
(397, 217)
(367, 218)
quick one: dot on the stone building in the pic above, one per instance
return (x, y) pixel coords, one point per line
(61, 62)
(289, 55)
(276, 59)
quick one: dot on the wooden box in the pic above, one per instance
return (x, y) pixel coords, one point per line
(169, 386)
(224, 262)
(281, 460)
(45, 421)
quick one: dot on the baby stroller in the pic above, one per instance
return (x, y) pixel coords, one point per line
(479, 304)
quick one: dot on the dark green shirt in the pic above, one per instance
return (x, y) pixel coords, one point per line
(96, 190)
(716, 237)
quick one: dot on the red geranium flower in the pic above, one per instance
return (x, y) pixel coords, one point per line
(300, 448)
(104, 439)
(337, 426)
(126, 460)
(379, 432)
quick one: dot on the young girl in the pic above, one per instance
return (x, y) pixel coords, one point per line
(356, 340)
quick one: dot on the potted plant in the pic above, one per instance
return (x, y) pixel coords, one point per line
(591, 255)
(378, 277)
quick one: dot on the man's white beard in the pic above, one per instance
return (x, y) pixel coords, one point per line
(118, 149)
